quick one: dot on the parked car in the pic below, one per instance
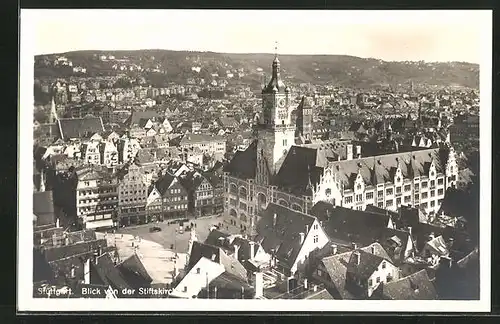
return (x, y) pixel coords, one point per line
(155, 229)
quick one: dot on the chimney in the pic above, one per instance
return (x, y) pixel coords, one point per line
(349, 152)
(315, 288)
(450, 242)
(72, 273)
(356, 257)
(372, 249)
(302, 237)
(57, 222)
(431, 236)
(86, 272)
(334, 248)
(307, 229)
(275, 217)
(409, 230)
(66, 240)
(258, 285)
(236, 248)
(354, 246)
(305, 283)
(252, 250)
(358, 151)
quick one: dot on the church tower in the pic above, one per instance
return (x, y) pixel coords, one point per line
(304, 128)
(275, 127)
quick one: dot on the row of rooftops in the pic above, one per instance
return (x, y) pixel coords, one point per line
(278, 233)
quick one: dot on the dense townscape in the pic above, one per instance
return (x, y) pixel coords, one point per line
(219, 181)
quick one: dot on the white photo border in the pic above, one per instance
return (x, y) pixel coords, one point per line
(26, 302)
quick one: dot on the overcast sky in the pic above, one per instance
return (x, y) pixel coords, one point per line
(388, 35)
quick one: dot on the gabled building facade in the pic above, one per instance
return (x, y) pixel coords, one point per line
(132, 193)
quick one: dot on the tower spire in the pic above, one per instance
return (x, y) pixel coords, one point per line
(275, 48)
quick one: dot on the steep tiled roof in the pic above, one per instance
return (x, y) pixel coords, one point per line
(107, 273)
(394, 242)
(336, 266)
(244, 163)
(349, 224)
(164, 183)
(228, 122)
(66, 251)
(411, 163)
(284, 235)
(200, 138)
(300, 170)
(136, 116)
(80, 127)
(416, 286)
(367, 265)
(134, 271)
(201, 250)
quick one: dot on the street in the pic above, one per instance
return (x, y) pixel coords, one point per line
(170, 235)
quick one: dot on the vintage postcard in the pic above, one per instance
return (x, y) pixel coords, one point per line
(254, 161)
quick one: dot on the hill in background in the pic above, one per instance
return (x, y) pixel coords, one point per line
(350, 71)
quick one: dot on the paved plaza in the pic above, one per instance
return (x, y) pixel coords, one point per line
(155, 248)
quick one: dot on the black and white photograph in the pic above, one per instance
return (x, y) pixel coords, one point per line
(255, 160)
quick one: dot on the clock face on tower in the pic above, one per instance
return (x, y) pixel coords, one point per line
(281, 103)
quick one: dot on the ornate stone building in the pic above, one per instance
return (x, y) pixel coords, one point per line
(278, 167)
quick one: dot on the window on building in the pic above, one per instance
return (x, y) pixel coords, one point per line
(348, 199)
(383, 265)
(424, 195)
(284, 141)
(359, 187)
(380, 194)
(378, 279)
(359, 197)
(433, 183)
(370, 282)
(424, 184)
(369, 195)
(440, 181)
(407, 199)
(315, 226)
(319, 272)
(407, 188)
(440, 192)
(398, 190)
(424, 205)
(380, 205)
(417, 186)
(389, 203)
(389, 191)
(398, 201)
